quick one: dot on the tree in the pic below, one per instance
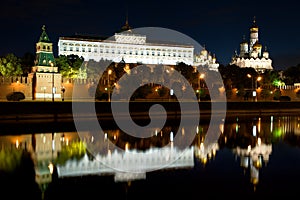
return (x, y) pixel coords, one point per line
(10, 65)
(69, 66)
(27, 61)
(292, 75)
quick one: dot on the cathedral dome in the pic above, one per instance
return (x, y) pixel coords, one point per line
(257, 45)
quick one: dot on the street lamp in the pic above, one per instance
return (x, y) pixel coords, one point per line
(44, 88)
(108, 86)
(258, 79)
(53, 88)
(252, 89)
(201, 76)
(63, 92)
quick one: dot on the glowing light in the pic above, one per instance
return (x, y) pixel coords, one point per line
(259, 141)
(182, 131)
(126, 146)
(17, 144)
(51, 167)
(254, 130)
(259, 124)
(171, 136)
(236, 128)
(249, 149)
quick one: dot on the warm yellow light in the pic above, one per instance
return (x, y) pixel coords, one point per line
(259, 78)
(109, 72)
(249, 75)
(17, 143)
(126, 146)
(202, 76)
(51, 167)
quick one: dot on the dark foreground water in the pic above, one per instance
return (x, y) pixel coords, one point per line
(255, 157)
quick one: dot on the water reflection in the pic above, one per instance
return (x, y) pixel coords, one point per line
(58, 155)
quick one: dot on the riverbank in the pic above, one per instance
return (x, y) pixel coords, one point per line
(45, 116)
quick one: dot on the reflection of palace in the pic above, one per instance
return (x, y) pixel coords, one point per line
(129, 165)
(253, 158)
(249, 142)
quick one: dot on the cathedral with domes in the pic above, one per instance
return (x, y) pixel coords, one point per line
(252, 53)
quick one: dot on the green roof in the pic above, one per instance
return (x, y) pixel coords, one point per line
(44, 37)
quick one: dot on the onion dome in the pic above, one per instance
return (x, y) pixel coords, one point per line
(257, 45)
(254, 27)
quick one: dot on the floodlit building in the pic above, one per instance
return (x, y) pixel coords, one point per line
(47, 79)
(133, 48)
(251, 53)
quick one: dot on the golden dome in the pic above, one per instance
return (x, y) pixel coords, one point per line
(257, 45)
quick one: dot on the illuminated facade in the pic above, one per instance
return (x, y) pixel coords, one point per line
(204, 58)
(133, 48)
(251, 53)
(47, 79)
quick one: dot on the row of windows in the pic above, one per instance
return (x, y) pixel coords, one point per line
(83, 46)
(153, 53)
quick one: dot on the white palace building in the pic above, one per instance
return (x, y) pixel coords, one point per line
(134, 48)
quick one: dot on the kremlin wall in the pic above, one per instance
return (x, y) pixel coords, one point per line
(25, 85)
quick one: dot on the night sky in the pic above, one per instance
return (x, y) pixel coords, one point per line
(218, 25)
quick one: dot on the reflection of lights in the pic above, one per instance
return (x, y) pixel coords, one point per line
(44, 139)
(258, 141)
(222, 128)
(51, 167)
(182, 131)
(126, 146)
(254, 130)
(156, 132)
(236, 128)
(197, 129)
(259, 124)
(17, 144)
(249, 149)
(171, 136)
(214, 152)
(53, 144)
(202, 146)
(271, 125)
(105, 136)
(92, 139)
(115, 137)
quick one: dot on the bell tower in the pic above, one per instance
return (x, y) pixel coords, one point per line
(46, 78)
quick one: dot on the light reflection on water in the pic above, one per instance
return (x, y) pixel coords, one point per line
(253, 156)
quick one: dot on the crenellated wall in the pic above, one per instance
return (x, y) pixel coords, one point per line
(79, 89)
(15, 84)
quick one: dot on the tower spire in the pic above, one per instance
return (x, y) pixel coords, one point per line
(126, 27)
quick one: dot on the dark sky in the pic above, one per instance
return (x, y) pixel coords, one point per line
(217, 24)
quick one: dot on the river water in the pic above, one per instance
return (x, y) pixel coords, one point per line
(254, 157)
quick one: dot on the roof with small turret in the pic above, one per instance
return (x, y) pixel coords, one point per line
(44, 37)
